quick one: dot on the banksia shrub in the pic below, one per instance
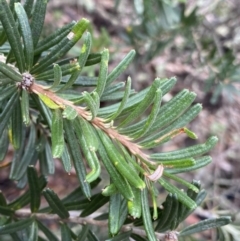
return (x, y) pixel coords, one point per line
(44, 115)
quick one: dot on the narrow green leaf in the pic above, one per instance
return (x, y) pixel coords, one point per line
(124, 100)
(3, 38)
(205, 225)
(91, 104)
(24, 199)
(46, 160)
(121, 237)
(69, 113)
(25, 107)
(65, 232)
(96, 100)
(165, 85)
(188, 152)
(84, 128)
(12, 33)
(17, 171)
(137, 237)
(200, 162)
(15, 226)
(190, 134)
(77, 205)
(66, 160)
(34, 189)
(57, 134)
(163, 217)
(16, 126)
(37, 21)
(90, 157)
(54, 38)
(178, 163)
(66, 69)
(143, 105)
(44, 110)
(28, 5)
(109, 190)
(7, 92)
(63, 47)
(48, 102)
(3, 201)
(7, 112)
(47, 232)
(114, 88)
(26, 34)
(167, 113)
(15, 237)
(114, 213)
(55, 203)
(75, 153)
(181, 180)
(152, 117)
(120, 182)
(97, 201)
(33, 235)
(4, 142)
(92, 236)
(120, 163)
(83, 234)
(6, 211)
(10, 72)
(102, 77)
(120, 68)
(93, 58)
(183, 198)
(147, 219)
(123, 212)
(184, 211)
(57, 75)
(135, 206)
(85, 51)
(77, 194)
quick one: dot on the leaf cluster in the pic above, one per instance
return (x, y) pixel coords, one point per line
(44, 115)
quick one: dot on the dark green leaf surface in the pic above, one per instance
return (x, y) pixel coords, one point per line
(65, 232)
(6, 113)
(47, 232)
(15, 226)
(37, 21)
(57, 134)
(76, 155)
(33, 234)
(18, 170)
(205, 225)
(83, 234)
(34, 189)
(96, 202)
(147, 219)
(120, 68)
(26, 34)
(55, 203)
(12, 33)
(4, 141)
(121, 236)
(16, 127)
(114, 213)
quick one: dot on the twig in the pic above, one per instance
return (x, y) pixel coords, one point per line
(74, 218)
(134, 148)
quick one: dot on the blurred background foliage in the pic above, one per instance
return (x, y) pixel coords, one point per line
(197, 41)
(204, 33)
